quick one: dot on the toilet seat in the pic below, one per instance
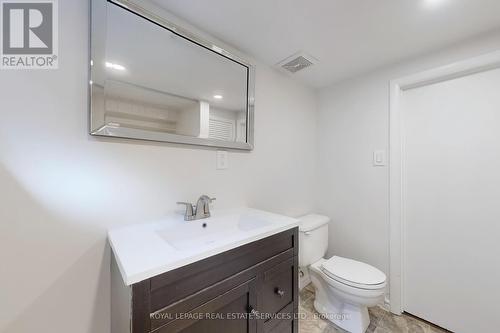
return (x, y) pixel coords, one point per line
(353, 273)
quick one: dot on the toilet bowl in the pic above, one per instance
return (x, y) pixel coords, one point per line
(345, 288)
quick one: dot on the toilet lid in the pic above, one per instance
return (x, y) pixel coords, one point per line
(353, 272)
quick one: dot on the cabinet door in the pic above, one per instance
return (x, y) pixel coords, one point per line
(229, 312)
(284, 322)
(278, 287)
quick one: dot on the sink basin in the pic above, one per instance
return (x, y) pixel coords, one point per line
(207, 232)
(148, 249)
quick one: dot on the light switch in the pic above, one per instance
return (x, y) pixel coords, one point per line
(222, 160)
(379, 158)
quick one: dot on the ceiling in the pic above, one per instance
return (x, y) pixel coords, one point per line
(348, 37)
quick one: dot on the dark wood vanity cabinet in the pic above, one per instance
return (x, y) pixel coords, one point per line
(252, 288)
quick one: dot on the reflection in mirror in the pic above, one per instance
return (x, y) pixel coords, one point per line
(151, 83)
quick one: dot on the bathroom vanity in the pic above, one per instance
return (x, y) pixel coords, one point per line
(234, 272)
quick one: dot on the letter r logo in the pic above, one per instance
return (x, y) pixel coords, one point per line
(27, 27)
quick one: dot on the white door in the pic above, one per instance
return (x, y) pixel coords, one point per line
(451, 227)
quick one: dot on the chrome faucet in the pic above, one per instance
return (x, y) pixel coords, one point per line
(199, 211)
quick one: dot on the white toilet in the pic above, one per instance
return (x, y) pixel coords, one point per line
(345, 288)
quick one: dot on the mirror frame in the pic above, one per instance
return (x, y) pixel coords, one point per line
(98, 42)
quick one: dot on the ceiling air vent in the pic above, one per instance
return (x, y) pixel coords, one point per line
(297, 62)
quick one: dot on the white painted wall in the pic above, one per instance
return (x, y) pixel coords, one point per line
(353, 121)
(61, 189)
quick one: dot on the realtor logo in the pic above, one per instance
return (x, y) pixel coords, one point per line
(29, 34)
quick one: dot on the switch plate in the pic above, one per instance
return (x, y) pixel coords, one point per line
(379, 158)
(222, 160)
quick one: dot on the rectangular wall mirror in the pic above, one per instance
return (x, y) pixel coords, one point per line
(152, 80)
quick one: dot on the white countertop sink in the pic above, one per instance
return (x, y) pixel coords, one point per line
(146, 250)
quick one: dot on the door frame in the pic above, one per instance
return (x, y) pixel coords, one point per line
(396, 163)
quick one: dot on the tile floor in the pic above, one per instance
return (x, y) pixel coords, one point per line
(381, 321)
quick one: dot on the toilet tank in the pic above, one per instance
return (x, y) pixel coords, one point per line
(313, 238)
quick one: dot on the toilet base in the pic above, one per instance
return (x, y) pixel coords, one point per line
(349, 317)
(345, 310)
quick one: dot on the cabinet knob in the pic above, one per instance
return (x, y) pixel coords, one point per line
(280, 292)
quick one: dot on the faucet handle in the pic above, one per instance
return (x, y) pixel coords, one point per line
(188, 215)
